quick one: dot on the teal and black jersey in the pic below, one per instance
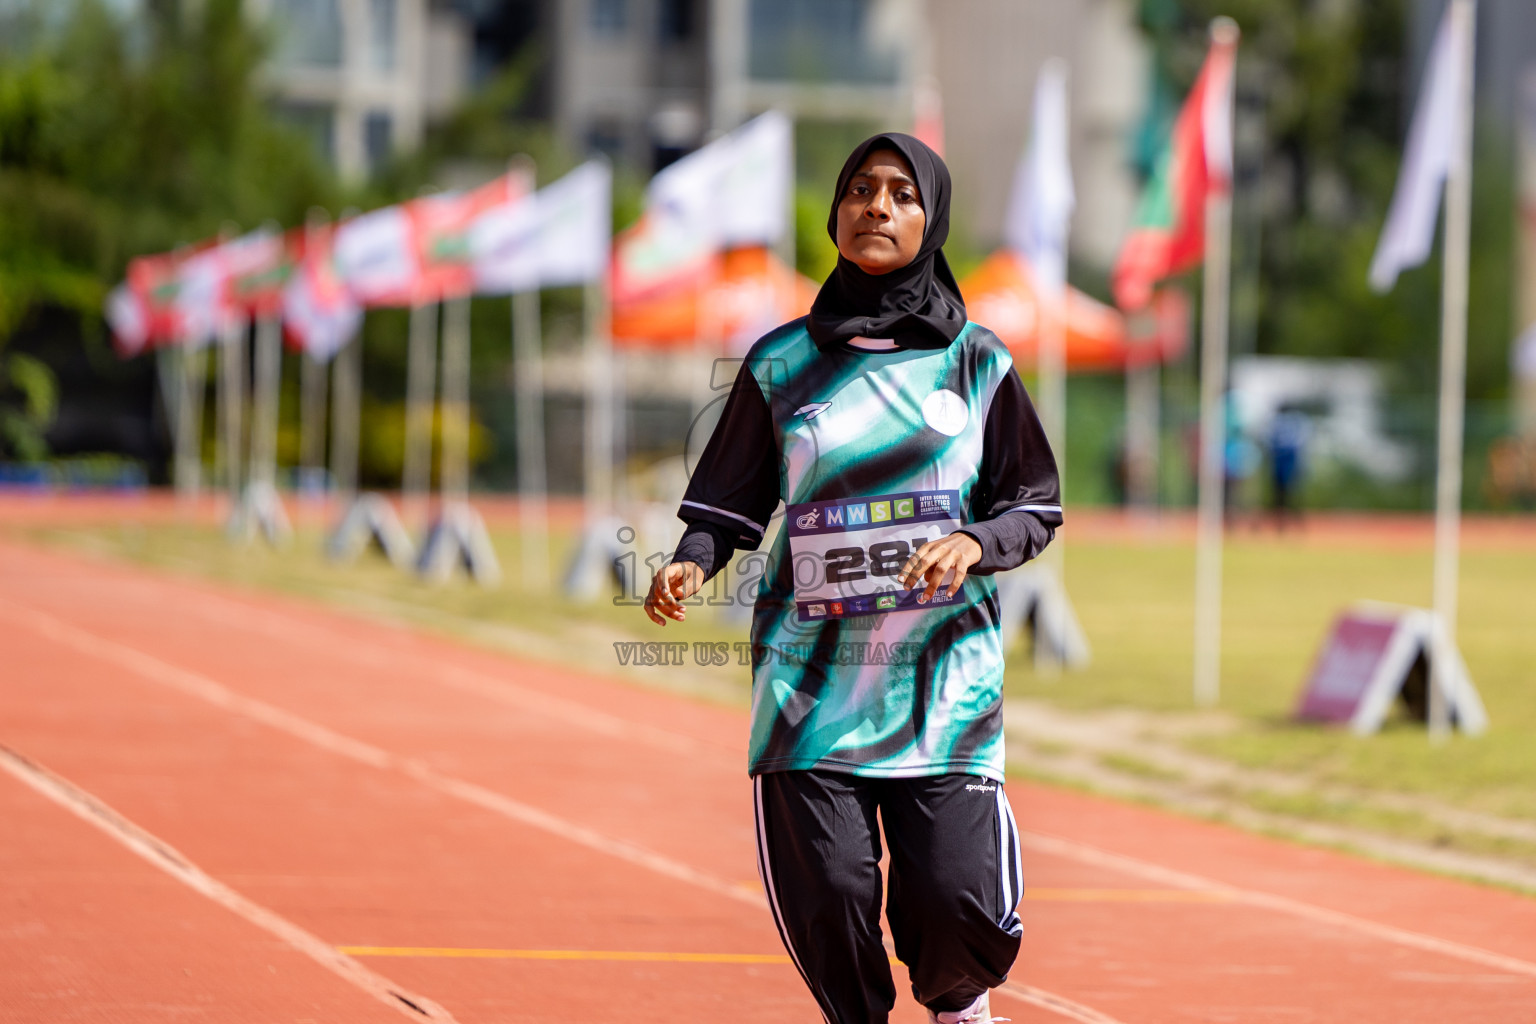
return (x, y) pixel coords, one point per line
(873, 452)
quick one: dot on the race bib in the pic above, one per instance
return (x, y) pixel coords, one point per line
(846, 554)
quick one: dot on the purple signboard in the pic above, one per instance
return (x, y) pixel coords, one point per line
(1345, 669)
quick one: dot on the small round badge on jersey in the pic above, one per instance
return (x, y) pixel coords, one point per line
(946, 412)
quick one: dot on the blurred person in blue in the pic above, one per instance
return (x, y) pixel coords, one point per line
(1240, 461)
(912, 467)
(1287, 449)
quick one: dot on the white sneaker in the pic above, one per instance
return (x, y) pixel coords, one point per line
(979, 1012)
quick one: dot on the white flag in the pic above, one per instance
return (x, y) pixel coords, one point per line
(559, 235)
(376, 256)
(320, 313)
(734, 191)
(576, 226)
(682, 209)
(753, 193)
(1522, 358)
(1040, 209)
(199, 296)
(205, 299)
(1410, 230)
(128, 319)
(504, 247)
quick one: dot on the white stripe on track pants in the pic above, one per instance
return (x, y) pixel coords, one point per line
(954, 888)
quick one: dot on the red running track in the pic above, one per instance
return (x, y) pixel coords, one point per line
(228, 807)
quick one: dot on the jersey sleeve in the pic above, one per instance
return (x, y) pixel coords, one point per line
(706, 545)
(735, 486)
(1017, 502)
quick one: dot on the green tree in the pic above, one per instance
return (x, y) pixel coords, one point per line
(1322, 116)
(120, 137)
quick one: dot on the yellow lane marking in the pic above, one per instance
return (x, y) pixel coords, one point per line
(1042, 895)
(631, 956)
(1127, 896)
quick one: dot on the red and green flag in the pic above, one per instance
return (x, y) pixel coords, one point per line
(1168, 234)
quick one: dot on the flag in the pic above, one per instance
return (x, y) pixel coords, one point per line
(442, 225)
(1409, 233)
(320, 312)
(754, 191)
(733, 192)
(154, 281)
(199, 295)
(207, 302)
(375, 256)
(260, 266)
(576, 226)
(1040, 208)
(675, 238)
(1522, 358)
(752, 293)
(559, 235)
(128, 319)
(1168, 233)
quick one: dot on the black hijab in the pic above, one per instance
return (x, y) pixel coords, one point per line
(918, 305)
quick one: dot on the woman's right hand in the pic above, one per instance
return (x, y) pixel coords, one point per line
(676, 583)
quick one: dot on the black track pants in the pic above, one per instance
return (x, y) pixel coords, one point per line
(955, 882)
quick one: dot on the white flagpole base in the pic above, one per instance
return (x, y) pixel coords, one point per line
(596, 561)
(457, 537)
(1032, 598)
(371, 521)
(260, 512)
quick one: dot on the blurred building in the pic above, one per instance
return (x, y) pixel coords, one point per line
(648, 80)
(1506, 97)
(362, 77)
(987, 55)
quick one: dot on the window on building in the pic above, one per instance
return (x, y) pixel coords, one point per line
(677, 20)
(316, 122)
(609, 17)
(378, 139)
(382, 22)
(308, 32)
(820, 41)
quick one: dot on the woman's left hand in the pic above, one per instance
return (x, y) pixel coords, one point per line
(930, 562)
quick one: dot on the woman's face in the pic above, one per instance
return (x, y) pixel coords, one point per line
(880, 218)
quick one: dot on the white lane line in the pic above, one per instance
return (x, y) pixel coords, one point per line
(289, 628)
(193, 684)
(168, 859)
(1059, 1005)
(1071, 849)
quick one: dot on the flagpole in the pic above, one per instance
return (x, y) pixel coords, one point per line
(260, 508)
(454, 486)
(1453, 368)
(1142, 415)
(1213, 377)
(231, 400)
(532, 476)
(420, 374)
(312, 402)
(168, 374)
(1051, 361)
(598, 485)
(194, 379)
(226, 460)
(346, 404)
